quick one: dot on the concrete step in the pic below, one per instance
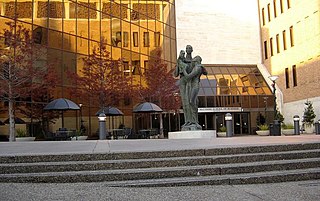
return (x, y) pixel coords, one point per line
(163, 172)
(228, 165)
(158, 154)
(232, 179)
(154, 162)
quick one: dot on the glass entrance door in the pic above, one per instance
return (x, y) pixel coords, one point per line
(207, 121)
(241, 123)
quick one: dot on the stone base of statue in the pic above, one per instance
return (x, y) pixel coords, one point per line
(191, 127)
(193, 134)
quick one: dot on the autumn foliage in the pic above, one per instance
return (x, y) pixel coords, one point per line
(26, 74)
(101, 79)
(161, 86)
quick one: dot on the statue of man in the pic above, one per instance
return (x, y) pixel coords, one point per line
(184, 63)
(190, 70)
(193, 79)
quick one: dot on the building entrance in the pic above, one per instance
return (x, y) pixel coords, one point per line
(214, 121)
(241, 123)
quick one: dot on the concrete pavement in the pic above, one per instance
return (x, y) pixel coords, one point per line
(302, 190)
(115, 146)
(289, 191)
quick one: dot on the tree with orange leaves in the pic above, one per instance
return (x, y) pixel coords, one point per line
(102, 79)
(24, 69)
(161, 86)
(42, 93)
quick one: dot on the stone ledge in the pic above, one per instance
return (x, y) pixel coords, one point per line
(204, 134)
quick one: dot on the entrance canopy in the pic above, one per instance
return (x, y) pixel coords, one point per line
(238, 86)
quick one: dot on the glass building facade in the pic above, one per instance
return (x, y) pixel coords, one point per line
(70, 29)
(131, 29)
(237, 89)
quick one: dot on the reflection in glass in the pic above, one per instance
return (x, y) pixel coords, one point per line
(135, 39)
(146, 40)
(125, 39)
(71, 29)
(136, 67)
(156, 39)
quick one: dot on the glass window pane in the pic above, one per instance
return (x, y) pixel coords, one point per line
(55, 39)
(135, 39)
(105, 31)
(114, 10)
(51, 9)
(18, 9)
(82, 28)
(69, 42)
(202, 101)
(146, 39)
(157, 39)
(82, 45)
(95, 30)
(136, 67)
(81, 10)
(126, 39)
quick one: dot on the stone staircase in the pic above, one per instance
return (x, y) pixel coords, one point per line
(230, 165)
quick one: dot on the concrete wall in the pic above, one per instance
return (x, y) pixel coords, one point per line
(303, 53)
(221, 32)
(297, 108)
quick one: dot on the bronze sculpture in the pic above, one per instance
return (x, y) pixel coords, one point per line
(190, 71)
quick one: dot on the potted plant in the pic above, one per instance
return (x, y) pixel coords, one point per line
(279, 116)
(222, 131)
(263, 130)
(22, 135)
(261, 119)
(287, 129)
(78, 135)
(308, 117)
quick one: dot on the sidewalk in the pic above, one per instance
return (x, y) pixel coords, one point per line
(287, 191)
(122, 145)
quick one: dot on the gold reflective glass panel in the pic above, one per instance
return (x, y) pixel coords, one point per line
(70, 31)
(229, 85)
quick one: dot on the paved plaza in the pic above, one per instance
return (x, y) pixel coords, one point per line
(301, 190)
(143, 145)
(289, 191)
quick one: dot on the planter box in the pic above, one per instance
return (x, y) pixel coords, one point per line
(287, 131)
(222, 134)
(263, 133)
(309, 129)
(81, 137)
(24, 139)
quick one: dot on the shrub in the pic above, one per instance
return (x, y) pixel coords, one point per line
(260, 119)
(263, 127)
(279, 116)
(21, 132)
(223, 129)
(308, 115)
(287, 126)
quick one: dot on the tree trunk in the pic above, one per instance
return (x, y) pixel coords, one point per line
(12, 136)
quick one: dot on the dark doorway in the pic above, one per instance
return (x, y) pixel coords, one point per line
(220, 121)
(210, 121)
(241, 123)
(202, 121)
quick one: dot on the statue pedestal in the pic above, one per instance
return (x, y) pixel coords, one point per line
(192, 127)
(196, 134)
